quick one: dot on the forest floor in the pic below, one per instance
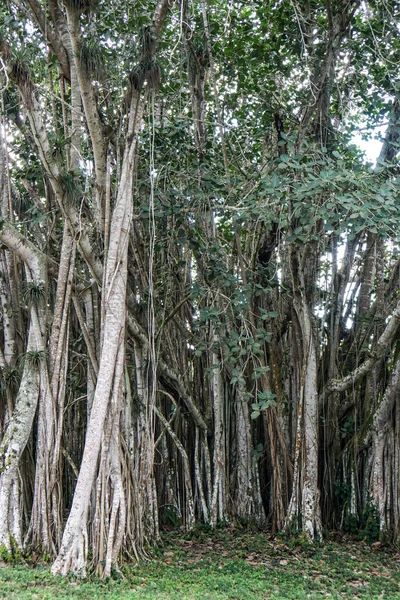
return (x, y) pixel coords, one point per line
(226, 564)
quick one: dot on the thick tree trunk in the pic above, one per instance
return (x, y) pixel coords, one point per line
(384, 476)
(12, 446)
(311, 520)
(74, 548)
(20, 424)
(305, 498)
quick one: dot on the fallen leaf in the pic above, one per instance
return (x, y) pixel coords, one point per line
(358, 584)
(376, 545)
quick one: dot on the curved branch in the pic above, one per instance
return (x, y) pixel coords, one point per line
(25, 250)
(341, 385)
(53, 37)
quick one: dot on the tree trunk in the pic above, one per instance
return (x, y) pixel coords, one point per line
(74, 548)
(305, 500)
(12, 446)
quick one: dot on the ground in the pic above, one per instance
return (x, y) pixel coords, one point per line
(227, 564)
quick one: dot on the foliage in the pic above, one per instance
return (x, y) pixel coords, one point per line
(11, 555)
(370, 529)
(72, 183)
(33, 292)
(10, 378)
(34, 357)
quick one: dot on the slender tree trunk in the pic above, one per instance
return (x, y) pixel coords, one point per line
(218, 498)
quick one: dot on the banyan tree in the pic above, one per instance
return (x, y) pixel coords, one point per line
(199, 272)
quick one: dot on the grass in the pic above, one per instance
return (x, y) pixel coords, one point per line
(227, 564)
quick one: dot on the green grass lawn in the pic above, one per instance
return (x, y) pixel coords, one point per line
(226, 565)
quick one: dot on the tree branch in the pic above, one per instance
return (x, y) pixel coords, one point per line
(341, 385)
